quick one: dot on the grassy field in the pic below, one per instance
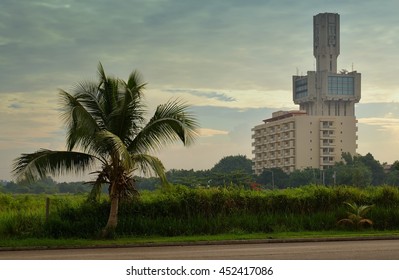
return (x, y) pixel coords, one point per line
(185, 214)
(38, 243)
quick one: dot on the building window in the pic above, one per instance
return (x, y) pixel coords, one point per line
(301, 88)
(341, 85)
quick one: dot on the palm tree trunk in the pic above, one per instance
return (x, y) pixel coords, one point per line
(109, 229)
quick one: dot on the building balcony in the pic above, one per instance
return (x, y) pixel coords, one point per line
(328, 153)
(327, 135)
(289, 154)
(327, 161)
(327, 125)
(326, 143)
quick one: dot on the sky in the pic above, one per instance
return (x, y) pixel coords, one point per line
(232, 60)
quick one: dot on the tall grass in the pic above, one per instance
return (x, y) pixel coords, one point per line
(185, 211)
(25, 215)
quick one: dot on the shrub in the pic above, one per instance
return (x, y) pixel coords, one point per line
(187, 211)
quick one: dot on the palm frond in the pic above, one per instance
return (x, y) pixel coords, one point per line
(101, 72)
(364, 209)
(366, 221)
(128, 117)
(107, 91)
(102, 178)
(113, 145)
(135, 83)
(148, 164)
(345, 221)
(80, 123)
(86, 92)
(170, 123)
(46, 162)
(353, 206)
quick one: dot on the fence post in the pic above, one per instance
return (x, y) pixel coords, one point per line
(47, 208)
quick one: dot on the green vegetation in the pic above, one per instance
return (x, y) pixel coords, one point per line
(184, 212)
(44, 186)
(140, 240)
(106, 129)
(235, 170)
(356, 216)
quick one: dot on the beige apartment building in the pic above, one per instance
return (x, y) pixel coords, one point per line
(324, 127)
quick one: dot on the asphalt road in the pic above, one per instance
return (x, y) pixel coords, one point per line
(336, 250)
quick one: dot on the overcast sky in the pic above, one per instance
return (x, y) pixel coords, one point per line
(233, 60)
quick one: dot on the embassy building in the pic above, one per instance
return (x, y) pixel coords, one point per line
(325, 125)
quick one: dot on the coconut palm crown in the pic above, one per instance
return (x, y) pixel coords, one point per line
(106, 130)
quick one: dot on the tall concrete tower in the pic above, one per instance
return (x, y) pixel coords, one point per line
(324, 127)
(326, 41)
(325, 92)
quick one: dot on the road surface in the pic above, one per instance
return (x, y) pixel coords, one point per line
(336, 250)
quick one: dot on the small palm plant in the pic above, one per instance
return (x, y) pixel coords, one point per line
(356, 215)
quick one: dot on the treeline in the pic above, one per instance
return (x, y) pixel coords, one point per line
(358, 171)
(231, 170)
(44, 186)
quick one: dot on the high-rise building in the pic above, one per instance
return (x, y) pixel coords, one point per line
(324, 127)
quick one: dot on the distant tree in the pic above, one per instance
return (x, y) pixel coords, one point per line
(392, 174)
(273, 175)
(189, 178)
(20, 188)
(74, 187)
(392, 178)
(304, 177)
(150, 184)
(343, 174)
(65, 188)
(395, 165)
(361, 175)
(352, 172)
(347, 158)
(232, 170)
(233, 163)
(377, 170)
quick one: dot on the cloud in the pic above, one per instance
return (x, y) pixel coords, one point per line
(207, 94)
(52, 5)
(208, 132)
(388, 124)
(235, 99)
(377, 109)
(36, 123)
(191, 44)
(15, 106)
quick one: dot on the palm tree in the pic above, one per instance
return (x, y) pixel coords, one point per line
(106, 130)
(356, 216)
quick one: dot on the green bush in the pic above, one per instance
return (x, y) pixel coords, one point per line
(22, 224)
(187, 211)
